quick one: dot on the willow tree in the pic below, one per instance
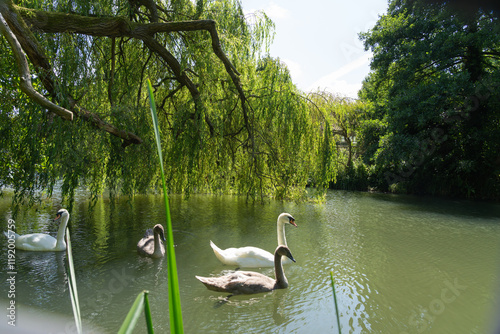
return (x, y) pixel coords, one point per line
(75, 110)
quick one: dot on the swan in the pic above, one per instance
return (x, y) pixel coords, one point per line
(150, 245)
(253, 257)
(249, 282)
(42, 242)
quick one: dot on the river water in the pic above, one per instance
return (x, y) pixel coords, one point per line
(401, 264)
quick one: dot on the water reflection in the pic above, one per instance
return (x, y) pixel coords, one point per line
(43, 277)
(391, 258)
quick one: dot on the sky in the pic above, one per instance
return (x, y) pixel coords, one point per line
(318, 40)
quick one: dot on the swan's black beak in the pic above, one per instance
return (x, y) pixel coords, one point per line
(290, 256)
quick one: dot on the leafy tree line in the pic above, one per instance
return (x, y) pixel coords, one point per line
(231, 119)
(75, 112)
(429, 120)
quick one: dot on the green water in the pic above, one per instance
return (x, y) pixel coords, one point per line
(401, 265)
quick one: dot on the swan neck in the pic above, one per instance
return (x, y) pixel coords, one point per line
(281, 234)
(281, 281)
(157, 249)
(62, 230)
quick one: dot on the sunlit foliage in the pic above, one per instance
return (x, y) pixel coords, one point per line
(263, 140)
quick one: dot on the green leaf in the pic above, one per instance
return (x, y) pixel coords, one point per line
(174, 300)
(72, 285)
(147, 313)
(134, 313)
(335, 302)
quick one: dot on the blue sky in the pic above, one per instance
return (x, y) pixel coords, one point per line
(318, 40)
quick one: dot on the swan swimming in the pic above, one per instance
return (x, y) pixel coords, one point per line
(249, 282)
(150, 245)
(42, 242)
(253, 257)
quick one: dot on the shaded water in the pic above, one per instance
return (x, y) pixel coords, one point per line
(401, 265)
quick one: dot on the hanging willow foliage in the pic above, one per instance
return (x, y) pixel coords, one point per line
(231, 118)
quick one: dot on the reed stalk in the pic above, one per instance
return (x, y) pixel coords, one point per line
(73, 292)
(141, 303)
(335, 302)
(174, 300)
(147, 313)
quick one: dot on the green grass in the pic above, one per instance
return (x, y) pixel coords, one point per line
(141, 303)
(73, 292)
(335, 302)
(174, 300)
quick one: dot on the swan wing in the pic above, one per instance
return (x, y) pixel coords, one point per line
(36, 242)
(253, 257)
(251, 285)
(149, 232)
(9, 234)
(239, 282)
(146, 245)
(249, 257)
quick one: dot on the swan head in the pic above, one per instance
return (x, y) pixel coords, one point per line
(286, 218)
(60, 213)
(158, 229)
(284, 251)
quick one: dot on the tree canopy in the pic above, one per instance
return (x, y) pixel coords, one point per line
(434, 88)
(75, 109)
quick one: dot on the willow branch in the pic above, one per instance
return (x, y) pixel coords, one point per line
(50, 22)
(112, 72)
(25, 75)
(37, 57)
(55, 22)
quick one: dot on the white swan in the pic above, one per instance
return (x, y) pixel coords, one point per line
(253, 257)
(150, 245)
(42, 242)
(249, 282)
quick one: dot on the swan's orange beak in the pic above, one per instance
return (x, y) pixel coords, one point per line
(292, 221)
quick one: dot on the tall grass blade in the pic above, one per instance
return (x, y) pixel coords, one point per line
(134, 314)
(73, 292)
(174, 300)
(335, 302)
(147, 313)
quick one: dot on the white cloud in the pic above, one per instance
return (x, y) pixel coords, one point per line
(332, 82)
(273, 11)
(344, 70)
(276, 12)
(343, 88)
(294, 68)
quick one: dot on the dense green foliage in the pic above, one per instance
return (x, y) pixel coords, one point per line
(259, 141)
(435, 123)
(428, 118)
(345, 117)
